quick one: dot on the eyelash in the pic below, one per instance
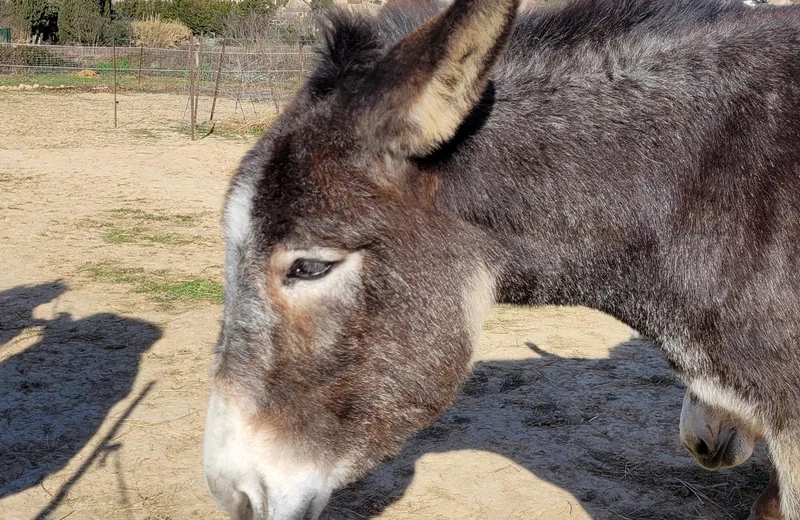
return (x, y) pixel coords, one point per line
(308, 269)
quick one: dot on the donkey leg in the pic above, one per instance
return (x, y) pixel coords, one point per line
(785, 450)
(767, 506)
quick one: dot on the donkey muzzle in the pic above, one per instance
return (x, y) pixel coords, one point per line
(252, 475)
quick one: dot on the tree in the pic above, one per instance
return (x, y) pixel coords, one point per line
(39, 17)
(80, 21)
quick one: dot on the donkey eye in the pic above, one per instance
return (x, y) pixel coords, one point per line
(303, 269)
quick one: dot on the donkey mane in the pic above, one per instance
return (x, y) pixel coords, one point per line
(353, 42)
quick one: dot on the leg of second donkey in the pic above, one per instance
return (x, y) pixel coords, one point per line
(784, 447)
(767, 506)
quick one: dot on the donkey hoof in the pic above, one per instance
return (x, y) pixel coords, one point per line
(769, 509)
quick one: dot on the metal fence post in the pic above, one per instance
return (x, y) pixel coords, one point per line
(192, 121)
(216, 80)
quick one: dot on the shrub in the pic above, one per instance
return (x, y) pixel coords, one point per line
(24, 56)
(14, 57)
(155, 32)
(119, 31)
(34, 20)
(123, 64)
(297, 33)
(201, 16)
(80, 21)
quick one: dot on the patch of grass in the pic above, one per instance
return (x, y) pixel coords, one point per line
(108, 66)
(233, 128)
(190, 290)
(163, 286)
(143, 133)
(160, 239)
(124, 81)
(113, 274)
(137, 214)
(8, 178)
(118, 236)
(93, 224)
(129, 225)
(187, 219)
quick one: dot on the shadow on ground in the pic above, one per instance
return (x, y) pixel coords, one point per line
(605, 430)
(55, 394)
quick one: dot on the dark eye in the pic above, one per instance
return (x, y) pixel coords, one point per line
(303, 269)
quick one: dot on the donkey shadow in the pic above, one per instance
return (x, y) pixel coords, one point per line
(55, 394)
(604, 430)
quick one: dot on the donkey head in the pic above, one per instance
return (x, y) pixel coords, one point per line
(351, 304)
(714, 437)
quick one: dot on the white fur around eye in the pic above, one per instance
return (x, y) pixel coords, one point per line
(341, 280)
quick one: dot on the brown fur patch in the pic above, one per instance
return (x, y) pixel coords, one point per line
(427, 189)
(295, 317)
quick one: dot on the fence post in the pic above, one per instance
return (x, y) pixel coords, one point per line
(216, 80)
(192, 121)
(300, 57)
(199, 76)
(272, 90)
(114, 68)
(141, 59)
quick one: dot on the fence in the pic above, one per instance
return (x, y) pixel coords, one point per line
(249, 73)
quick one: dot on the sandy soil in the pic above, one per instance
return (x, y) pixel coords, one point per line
(103, 382)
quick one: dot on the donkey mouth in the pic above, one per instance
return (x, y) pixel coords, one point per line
(724, 456)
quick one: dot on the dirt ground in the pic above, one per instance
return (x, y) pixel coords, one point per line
(110, 261)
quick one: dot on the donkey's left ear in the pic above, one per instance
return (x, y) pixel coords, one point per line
(424, 88)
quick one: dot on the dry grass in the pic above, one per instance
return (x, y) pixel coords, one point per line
(237, 125)
(85, 74)
(155, 32)
(125, 225)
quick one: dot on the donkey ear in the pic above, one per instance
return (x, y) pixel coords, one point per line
(428, 83)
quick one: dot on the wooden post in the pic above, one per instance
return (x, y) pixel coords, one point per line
(300, 57)
(192, 120)
(216, 80)
(272, 90)
(114, 68)
(199, 76)
(141, 59)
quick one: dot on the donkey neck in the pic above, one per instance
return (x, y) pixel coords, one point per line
(566, 224)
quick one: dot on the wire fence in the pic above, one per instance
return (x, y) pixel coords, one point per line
(259, 78)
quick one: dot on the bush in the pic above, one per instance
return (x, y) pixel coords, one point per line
(80, 21)
(35, 20)
(297, 34)
(119, 31)
(123, 65)
(201, 16)
(155, 32)
(24, 56)
(266, 8)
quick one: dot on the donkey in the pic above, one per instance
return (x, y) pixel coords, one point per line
(719, 440)
(638, 157)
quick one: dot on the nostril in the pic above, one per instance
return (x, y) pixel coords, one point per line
(244, 507)
(701, 448)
